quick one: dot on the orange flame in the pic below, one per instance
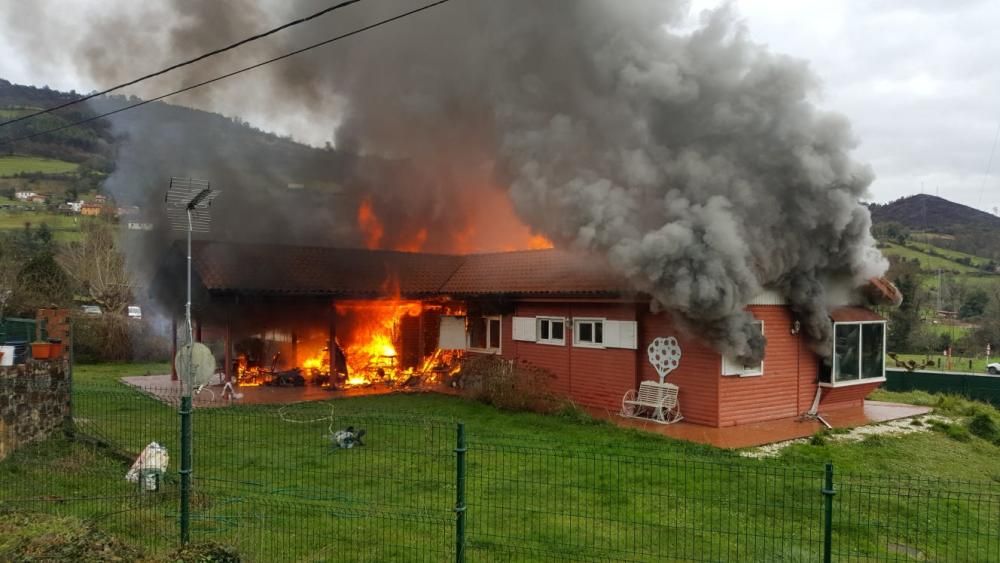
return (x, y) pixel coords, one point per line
(539, 242)
(370, 224)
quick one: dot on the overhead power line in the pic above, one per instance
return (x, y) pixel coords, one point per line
(989, 165)
(184, 63)
(230, 74)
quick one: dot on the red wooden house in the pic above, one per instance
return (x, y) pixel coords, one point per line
(560, 311)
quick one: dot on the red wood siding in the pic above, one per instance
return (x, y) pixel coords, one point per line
(843, 397)
(593, 377)
(788, 385)
(697, 376)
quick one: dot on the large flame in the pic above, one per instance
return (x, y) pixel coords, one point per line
(370, 224)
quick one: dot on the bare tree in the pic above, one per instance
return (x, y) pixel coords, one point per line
(97, 266)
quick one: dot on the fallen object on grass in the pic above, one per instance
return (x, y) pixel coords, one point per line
(348, 437)
(149, 467)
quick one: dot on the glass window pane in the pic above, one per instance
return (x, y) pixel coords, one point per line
(846, 348)
(599, 332)
(872, 352)
(543, 332)
(557, 330)
(494, 333)
(586, 332)
(477, 333)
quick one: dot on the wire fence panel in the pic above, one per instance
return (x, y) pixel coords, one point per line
(536, 504)
(915, 519)
(279, 484)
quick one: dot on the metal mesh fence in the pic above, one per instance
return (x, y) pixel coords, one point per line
(273, 483)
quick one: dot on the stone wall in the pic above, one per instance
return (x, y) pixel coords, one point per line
(34, 402)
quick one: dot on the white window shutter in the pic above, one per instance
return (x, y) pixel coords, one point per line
(620, 334)
(452, 334)
(524, 329)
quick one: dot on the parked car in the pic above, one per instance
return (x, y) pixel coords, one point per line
(994, 368)
(91, 310)
(134, 312)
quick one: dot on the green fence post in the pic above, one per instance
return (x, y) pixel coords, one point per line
(68, 426)
(185, 471)
(460, 450)
(828, 493)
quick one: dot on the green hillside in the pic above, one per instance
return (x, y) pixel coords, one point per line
(18, 164)
(928, 262)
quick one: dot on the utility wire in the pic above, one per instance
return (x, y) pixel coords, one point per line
(989, 165)
(184, 63)
(230, 74)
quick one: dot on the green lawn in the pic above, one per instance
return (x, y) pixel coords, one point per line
(11, 165)
(927, 262)
(538, 487)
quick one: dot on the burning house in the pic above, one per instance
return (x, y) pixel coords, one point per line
(356, 318)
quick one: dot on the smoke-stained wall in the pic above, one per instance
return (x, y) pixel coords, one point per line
(694, 158)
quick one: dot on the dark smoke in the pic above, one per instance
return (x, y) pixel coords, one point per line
(695, 160)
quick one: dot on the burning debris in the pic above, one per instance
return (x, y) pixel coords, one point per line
(380, 342)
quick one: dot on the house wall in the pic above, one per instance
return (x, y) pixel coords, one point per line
(599, 377)
(788, 384)
(851, 396)
(595, 377)
(697, 376)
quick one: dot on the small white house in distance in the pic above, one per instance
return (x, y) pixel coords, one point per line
(139, 226)
(75, 206)
(25, 196)
(134, 312)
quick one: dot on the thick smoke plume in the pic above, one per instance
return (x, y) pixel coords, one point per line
(693, 159)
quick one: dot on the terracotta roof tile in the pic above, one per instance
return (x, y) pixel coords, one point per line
(854, 314)
(534, 272)
(316, 270)
(340, 271)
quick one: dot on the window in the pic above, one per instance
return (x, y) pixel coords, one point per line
(732, 366)
(484, 333)
(858, 352)
(588, 333)
(551, 330)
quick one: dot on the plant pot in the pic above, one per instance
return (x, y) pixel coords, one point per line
(41, 350)
(55, 349)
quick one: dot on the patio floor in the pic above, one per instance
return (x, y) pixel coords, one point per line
(761, 433)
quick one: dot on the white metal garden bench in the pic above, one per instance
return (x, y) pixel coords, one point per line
(654, 401)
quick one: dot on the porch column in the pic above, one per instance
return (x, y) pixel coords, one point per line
(295, 349)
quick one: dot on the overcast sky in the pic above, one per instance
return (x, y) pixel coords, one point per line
(918, 79)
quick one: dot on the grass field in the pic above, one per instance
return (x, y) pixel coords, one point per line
(927, 262)
(958, 363)
(539, 487)
(947, 253)
(11, 165)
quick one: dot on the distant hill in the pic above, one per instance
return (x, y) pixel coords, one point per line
(961, 228)
(932, 213)
(93, 142)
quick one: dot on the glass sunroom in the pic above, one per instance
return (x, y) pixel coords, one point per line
(858, 354)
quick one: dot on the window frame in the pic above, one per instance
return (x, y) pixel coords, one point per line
(729, 368)
(861, 380)
(550, 341)
(577, 322)
(488, 319)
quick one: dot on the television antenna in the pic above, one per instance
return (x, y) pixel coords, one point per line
(188, 202)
